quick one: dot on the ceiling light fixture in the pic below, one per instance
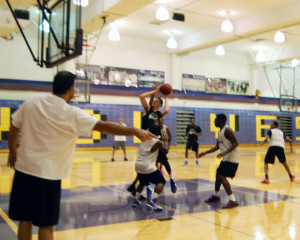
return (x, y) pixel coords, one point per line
(227, 26)
(260, 57)
(83, 3)
(114, 34)
(279, 37)
(162, 13)
(220, 50)
(295, 62)
(172, 43)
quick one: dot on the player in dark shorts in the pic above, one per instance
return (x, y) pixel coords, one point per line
(150, 114)
(230, 154)
(276, 139)
(193, 131)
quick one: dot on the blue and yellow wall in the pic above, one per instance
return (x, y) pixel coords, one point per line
(249, 125)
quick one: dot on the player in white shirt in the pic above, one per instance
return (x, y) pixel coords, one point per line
(119, 141)
(229, 151)
(147, 171)
(276, 140)
(50, 128)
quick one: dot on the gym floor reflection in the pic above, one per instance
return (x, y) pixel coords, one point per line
(96, 205)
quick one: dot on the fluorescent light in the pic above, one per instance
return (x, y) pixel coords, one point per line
(227, 26)
(279, 37)
(83, 3)
(162, 13)
(171, 43)
(220, 50)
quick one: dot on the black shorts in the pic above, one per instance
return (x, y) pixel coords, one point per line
(192, 144)
(227, 169)
(155, 178)
(275, 151)
(35, 200)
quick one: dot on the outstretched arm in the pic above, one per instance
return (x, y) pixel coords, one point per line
(213, 149)
(12, 143)
(291, 143)
(117, 129)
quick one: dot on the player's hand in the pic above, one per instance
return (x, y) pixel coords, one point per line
(144, 135)
(12, 158)
(201, 154)
(156, 88)
(220, 155)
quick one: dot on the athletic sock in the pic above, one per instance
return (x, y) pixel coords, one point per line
(267, 176)
(155, 195)
(232, 198)
(217, 193)
(171, 176)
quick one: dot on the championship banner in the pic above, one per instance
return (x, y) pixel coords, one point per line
(238, 87)
(215, 85)
(194, 82)
(147, 78)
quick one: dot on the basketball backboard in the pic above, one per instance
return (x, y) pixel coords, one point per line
(63, 41)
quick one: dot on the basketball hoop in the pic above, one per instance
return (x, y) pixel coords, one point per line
(88, 47)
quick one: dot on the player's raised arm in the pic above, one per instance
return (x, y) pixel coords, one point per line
(166, 108)
(143, 97)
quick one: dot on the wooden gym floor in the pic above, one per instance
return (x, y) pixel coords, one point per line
(96, 205)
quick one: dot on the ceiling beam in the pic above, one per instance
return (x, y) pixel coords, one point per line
(101, 13)
(271, 20)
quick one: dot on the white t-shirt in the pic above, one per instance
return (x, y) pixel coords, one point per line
(145, 160)
(119, 138)
(49, 129)
(224, 144)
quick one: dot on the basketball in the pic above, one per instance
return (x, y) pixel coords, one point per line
(166, 88)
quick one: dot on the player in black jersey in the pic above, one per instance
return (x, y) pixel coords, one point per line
(151, 109)
(150, 114)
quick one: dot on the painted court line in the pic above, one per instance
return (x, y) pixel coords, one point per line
(9, 222)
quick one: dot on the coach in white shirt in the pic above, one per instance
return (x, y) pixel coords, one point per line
(50, 128)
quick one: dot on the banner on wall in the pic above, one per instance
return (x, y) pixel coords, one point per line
(122, 77)
(238, 87)
(148, 78)
(96, 74)
(194, 82)
(215, 85)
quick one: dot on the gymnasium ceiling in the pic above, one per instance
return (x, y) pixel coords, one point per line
(255, 23)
